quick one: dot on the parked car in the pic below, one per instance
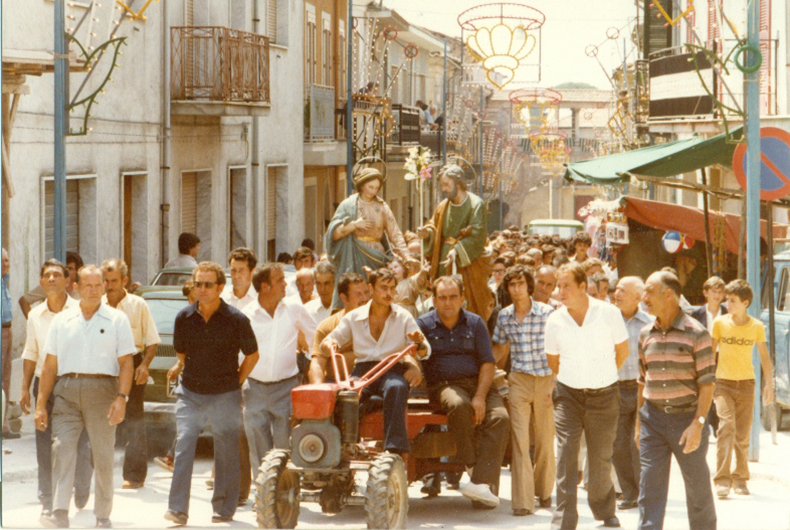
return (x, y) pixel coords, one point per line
(781, 338)
(179, 276)
(562, 227)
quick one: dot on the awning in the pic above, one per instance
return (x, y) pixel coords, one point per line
(662, 160)
(690, 221)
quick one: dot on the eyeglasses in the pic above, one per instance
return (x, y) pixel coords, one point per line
(207, 285)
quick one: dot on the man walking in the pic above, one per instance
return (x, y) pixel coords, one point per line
(586, 344)
(207, 337)
(324, 280)
(378, 329)
(267, 393)
(7, 317)
(146, 339)
(89, 349)
(459, 374)
(53, 282)
(677, 371)
(627, 296)
(519, 332)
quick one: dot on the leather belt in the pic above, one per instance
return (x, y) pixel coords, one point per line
(628, 382)
(72, 375)
(6, 325)
(672, 409)
(273, 382)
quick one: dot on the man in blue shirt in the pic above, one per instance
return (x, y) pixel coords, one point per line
(459, 375)
(6, 320)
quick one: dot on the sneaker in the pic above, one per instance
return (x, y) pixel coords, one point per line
(56, 519)
(103, 522)
(165, 462)
(722, 491)
(741, 489)
(180, 518)
(480, 492)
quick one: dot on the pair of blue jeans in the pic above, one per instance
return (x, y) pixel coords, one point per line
(394, 390)
(659, 438)
(193, 411)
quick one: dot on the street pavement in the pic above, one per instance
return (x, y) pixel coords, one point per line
(767, 508)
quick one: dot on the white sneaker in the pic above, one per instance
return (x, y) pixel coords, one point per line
(481, 493)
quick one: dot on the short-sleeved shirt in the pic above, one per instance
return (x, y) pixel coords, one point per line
(143, 325)
(587, 352)
(38, 322)
(673, 364)
(212, 348)
(355, 326)
(239, 303)
(735, 347)
(90, 346)
(630, 369)
(527, 346)
(182, 261)
(458, 352)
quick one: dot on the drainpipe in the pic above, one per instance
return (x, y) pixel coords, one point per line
(253, 154)
(165, 139)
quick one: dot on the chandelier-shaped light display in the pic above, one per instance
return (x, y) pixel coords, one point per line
(500, 37)
(536, 108)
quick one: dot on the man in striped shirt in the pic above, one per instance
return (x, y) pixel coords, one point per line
(677, 370)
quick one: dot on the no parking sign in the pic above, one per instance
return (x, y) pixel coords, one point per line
(774, 163)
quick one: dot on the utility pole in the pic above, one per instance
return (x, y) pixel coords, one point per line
(61, 92)
(350, 100)
(752, 94)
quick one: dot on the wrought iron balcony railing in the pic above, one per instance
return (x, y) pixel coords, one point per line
(219, 64)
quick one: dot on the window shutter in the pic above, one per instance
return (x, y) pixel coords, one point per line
(189, 202)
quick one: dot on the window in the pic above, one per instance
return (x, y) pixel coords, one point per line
(326, 50)
(271, 20)
(196, 197)
(342, 66)
(81, 217)
(310, 46)
(276, 176)
(238, 207)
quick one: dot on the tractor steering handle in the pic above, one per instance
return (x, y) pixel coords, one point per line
(373, 374)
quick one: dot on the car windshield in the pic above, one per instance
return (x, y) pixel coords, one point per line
(172, 278)
(164, 313)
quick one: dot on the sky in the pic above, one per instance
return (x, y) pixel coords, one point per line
(570, 27)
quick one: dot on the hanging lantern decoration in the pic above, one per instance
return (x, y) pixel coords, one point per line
(536, 108)
(672, 242)
(501, 36)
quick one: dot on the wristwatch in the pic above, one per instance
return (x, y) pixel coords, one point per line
(124, 396)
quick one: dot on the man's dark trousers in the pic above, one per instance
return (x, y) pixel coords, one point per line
(595, 412)
(394, 390)
(82, 476)
(659, 438)
(135, 460)
(626, 453)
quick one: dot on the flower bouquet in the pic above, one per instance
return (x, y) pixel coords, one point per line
(418, 163)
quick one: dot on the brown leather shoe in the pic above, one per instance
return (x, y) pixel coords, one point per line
(131, 485)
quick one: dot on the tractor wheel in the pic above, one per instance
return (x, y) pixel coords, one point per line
(387, 495)
(277, 492)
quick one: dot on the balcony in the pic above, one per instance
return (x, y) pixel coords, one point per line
(218, 71)
(406, 129)
(319, 114)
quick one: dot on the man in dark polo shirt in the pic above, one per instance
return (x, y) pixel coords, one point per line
(208, 336)
(677, 371)
(459, 375)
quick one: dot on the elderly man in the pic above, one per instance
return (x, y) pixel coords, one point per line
(304, 258)
(459, 374)
(519, 334)
(456, 235)
(324, 280)
(208, 337)
(545, 283)
(53, 282)
(378, 329)
(353, 292)
(267, 393)
(586, 344)
(89, 349)
(627, 296)
(677, 371)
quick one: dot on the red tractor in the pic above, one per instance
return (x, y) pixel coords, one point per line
(332, 444)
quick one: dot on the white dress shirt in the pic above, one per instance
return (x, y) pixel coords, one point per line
(587, 355)
(317, 310)
(356, 326)
(90, 346)
(277, 338)
(182, 261)
(38, 322)
(239, 303)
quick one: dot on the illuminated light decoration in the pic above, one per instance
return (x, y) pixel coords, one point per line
(673, 21)
(411, 51)
(500, 37)
(390, 33)
(138, 15)
(535, 108)
(550, 145)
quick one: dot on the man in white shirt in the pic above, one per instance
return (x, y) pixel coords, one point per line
(320, 308)
(267, 393)
(188, 247)
(89, 348)
(54, 278)
(303, 259)
(378, 329)
(586, 344)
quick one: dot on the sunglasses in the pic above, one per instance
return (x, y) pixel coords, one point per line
(207, 285)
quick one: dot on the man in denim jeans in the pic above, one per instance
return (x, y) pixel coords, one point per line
(677, 371)
(207, 337)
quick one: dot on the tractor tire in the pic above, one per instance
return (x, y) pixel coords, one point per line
(277, 492)
(387, 493)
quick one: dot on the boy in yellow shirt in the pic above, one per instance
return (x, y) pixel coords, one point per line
(734, 335)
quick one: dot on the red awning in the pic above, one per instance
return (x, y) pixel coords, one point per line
(690, 221)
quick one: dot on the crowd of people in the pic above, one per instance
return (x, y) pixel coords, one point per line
(539, 355)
